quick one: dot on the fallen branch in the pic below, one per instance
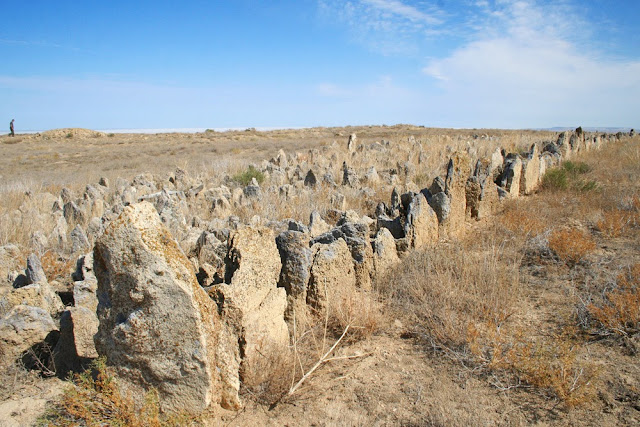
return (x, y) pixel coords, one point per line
(323, 359)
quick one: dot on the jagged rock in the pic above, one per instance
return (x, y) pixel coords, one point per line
(317, 225)
(356, 235)
(39, 295)
(394, 207)
(310, 180)
(211, 251)
(349, 177)
(75, 348)
(351, 144)
(282, 159)
(332, 275)
(421, 224)
(563, 144)
(296, 257)
(73, 213)
(510, 179)
(441, 205)
(371, 177)
(458, 172)
(79, 240)
(530, 171)
(22, 328)
(143, 281)
(252, 306)
(384, 251)
(482, 193)
(66, 195)
(34, 272)
(438, 186)
(252, 190)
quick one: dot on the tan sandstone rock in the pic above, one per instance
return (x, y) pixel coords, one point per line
(158, 328)
(251, 305)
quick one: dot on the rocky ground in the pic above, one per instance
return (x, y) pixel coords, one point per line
(263, 249)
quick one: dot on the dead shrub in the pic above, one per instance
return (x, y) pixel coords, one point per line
(520, 221)
(615, 222)
(619, 312)
(551, 363)
(94, 399)
(571, 245)
(445, 290)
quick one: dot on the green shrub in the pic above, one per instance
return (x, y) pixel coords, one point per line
(576, 168)
(555, 179)
(245, 177)
(567, 177)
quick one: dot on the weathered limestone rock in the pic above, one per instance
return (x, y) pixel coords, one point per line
(384, 250)
(35, 272)
(356, 235)
(295, 255)
(282, 159)
(351, 144)
(317, 225)
(510, 179)
(251, 305)
(157, 326)
(39, 295)
(310, 179)
(332, 274)
(79, 240)
(23, 327)
(349, 176)
(421, 225)
(564, 146)
(458, 171)
(252, 190)
(74, 214)
(75, 348)
(530, 171)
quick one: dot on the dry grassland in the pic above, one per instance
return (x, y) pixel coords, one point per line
(533, 318)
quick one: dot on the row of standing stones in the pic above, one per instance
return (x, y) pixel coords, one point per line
(193, 310)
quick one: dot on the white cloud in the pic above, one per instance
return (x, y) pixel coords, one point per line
(530, 66)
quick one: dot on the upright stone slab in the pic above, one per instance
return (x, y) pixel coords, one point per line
(252, 306)
(458, 171)
(157, 327)
(530, 177)
(510, 179)
(421, 224)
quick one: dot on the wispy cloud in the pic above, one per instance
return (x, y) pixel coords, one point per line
(385, 26)
(401, 10)
(37, 43)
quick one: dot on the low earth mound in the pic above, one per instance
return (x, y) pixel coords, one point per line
(71, 133)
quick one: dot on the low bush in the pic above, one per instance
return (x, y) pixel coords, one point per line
(619, 311)
(567, 176)
(245, 177)
(94, 399)
(571, 245)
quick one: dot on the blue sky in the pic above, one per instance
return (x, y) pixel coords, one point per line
(284, 63)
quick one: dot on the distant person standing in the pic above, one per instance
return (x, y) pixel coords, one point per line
(13, 133)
